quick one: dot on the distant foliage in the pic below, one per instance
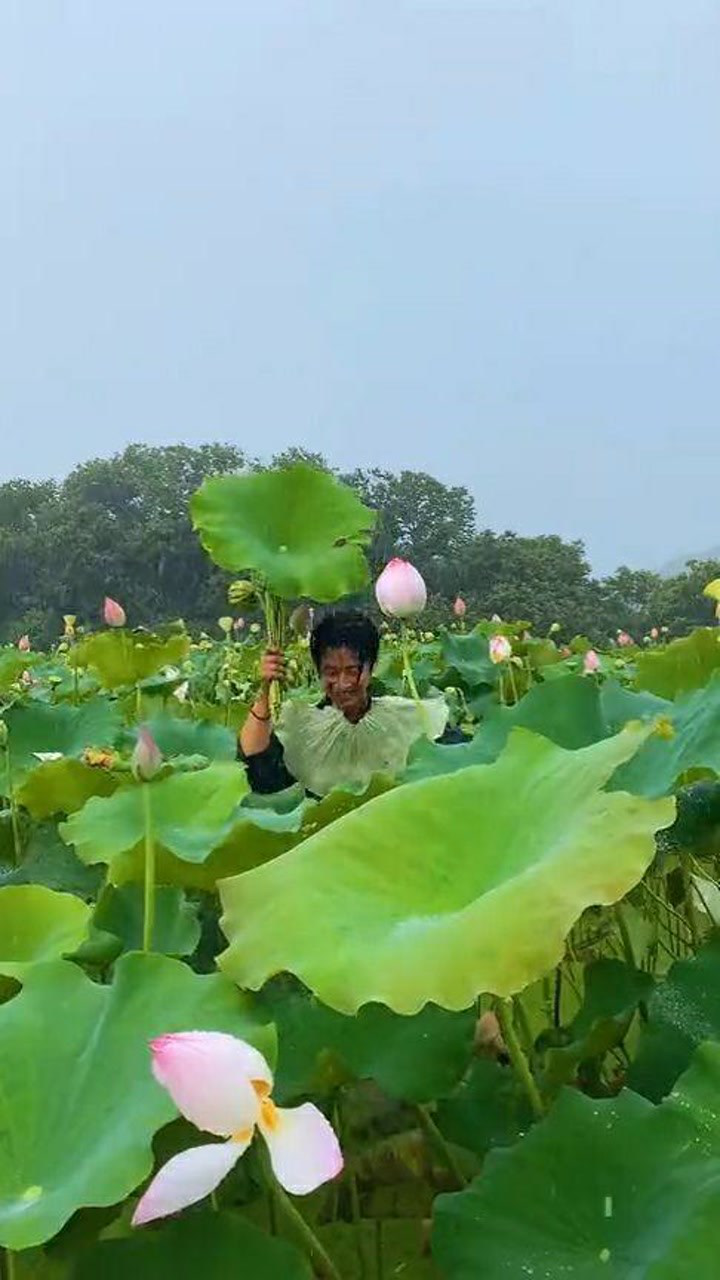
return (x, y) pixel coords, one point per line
(120, 527)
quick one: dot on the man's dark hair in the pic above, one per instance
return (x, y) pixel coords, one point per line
(349, 629)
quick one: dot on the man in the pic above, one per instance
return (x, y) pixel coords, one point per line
(349, 736)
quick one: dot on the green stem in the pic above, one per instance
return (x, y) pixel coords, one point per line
(339, 1127)
(149, 903)
(14, 821)
(513, 686)
(625, 938)
(9, 1265)
(410, 678)
(517, 1057)
(317, 1254)
(525, 1028)
(437, 1141)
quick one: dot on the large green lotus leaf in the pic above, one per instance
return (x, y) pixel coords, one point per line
(78, 1104)
(415, 1059)
(566, 711)
(48, 860)
(467, 659)
(41, 727)
(123, 657)
(62, 786)
(254, 834)
(189, 815)
(120, 911)
(600, 1190)
(683, 666)
(695, 743)
(212, 1245)
(450, 886)
(181, 737)
(684, 1011)
(620, 705)
(300, 529)
(38, 924)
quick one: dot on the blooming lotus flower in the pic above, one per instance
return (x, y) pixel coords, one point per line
(23, 644)
(624, 639)
(239, 624)
(500, 649)
(400, 590)
(147, 756)
(591, 662)
(26, 679)
(654, 633)
(223, 1086)
(459, 607)
(113, 613)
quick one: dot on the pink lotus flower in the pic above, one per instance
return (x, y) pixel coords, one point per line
(654, 633)
(23, 644)
(624, 639)
(223, 1086)
(500, 649)
(147, 756)
(459, 607)
(113, 613)
(400, 590)
(591, 663)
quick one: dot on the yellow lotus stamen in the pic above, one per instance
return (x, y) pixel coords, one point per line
(242, 1135)
(269, 1113)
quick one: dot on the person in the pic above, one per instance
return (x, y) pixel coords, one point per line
(347, 737)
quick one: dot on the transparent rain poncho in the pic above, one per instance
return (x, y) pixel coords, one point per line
(323, 749)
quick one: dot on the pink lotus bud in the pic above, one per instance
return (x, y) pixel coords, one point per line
(147, 756)
(500, 649)
(113, 613)
(624, 639)
(591, 662)
(654, 633)
(23, 644)
(400, 590)
(459, 607)
(566, 651)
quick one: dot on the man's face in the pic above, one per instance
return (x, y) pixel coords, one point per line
(345, 681)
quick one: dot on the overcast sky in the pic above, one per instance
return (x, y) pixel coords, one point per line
(479, 239)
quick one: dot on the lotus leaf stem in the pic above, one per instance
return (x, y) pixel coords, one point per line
(149, 899)
(517, 1057)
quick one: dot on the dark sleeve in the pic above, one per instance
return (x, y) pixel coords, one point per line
(452, 736)
(266, 770)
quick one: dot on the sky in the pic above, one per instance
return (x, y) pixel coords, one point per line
(480, 239)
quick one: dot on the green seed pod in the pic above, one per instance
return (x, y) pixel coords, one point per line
(242, 591)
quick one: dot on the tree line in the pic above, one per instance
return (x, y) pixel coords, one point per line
(120, 527)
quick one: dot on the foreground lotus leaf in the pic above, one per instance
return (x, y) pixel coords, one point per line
(616, 1189)
(260, 521)
(189, 813)
(449, 886)
(200, 1244)
(79, 1106)
(38, 924)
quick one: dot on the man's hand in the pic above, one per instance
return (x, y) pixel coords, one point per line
(272, 666)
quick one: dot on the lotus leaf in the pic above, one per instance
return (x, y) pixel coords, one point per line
(79, 1105)
(299, 528)
(450, 886)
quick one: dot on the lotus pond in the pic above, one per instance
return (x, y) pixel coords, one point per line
(491, 983)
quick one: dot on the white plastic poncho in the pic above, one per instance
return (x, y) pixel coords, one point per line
(323, 749)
